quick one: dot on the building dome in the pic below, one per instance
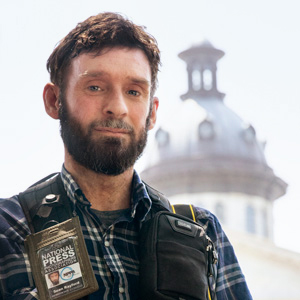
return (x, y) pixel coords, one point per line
(209, 157)
(209, 148)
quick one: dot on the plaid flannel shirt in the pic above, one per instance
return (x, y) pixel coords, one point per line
(113, 252)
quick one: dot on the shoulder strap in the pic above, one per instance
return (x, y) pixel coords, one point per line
(186, 210)
(158, 198)
(45, 203)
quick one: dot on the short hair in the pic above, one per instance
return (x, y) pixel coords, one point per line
(55, 272)
(96, 33)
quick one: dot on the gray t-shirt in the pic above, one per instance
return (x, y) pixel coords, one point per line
(107, 218)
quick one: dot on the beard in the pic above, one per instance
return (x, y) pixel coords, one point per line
(105, 155)
(55, 281)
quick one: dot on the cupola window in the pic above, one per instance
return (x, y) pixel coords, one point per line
(265, 227)
(250, 219)
(162, 137)
(196, 79)
(207, 80)
(249, 134)
(206, 130)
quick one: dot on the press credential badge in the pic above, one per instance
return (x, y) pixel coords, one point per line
(60, 262)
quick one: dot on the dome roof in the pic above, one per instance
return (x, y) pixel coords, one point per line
(209, 130)
(209, 148)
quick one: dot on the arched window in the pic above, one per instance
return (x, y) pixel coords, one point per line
(196, 80)
(250, 219)
(265, 226)
(249, 134)
(207, 79)
(220, 212)
(206, 130)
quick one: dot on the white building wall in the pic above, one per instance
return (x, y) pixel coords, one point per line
(234, 209)
(271, 273)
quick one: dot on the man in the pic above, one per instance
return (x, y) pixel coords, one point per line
(103, 80)
(54, 278)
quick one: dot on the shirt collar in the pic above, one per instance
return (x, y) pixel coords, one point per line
(140, 200)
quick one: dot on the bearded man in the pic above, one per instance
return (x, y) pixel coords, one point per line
(102, 90)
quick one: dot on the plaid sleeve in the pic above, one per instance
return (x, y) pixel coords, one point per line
(15, 275)
(230, 281)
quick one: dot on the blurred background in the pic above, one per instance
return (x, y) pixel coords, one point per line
(259, 75)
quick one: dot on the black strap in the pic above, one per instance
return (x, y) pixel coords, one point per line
(162, 203)
(45, 203)
(186, 210)
(158, 198)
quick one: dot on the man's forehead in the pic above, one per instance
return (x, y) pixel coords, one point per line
(132, 60)
(102, 74)
(113, 49)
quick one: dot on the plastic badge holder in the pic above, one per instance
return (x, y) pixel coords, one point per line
(60, 263)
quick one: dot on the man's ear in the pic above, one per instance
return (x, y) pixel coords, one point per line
(51, 100)
(153, 116)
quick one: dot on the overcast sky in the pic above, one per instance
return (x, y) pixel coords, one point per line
(259, 74)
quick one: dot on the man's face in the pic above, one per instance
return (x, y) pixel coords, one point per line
(105, 109)
(54, 277)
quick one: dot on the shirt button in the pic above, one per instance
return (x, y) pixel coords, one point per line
(121, 290)
(106, 244)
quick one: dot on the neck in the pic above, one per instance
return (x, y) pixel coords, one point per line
(105, 192)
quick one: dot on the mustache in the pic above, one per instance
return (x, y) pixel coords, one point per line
(112, 123)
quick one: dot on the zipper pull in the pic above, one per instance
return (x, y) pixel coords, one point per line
(212, 257)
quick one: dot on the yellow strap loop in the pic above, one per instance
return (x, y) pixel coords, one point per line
(173, 209)
(192, 212)
(209, 296)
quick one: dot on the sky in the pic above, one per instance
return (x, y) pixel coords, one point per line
(259, 75)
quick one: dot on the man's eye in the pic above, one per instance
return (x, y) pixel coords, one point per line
(133, 93)
(94, 88)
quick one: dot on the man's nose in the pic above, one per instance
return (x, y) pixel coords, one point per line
(115, 104)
